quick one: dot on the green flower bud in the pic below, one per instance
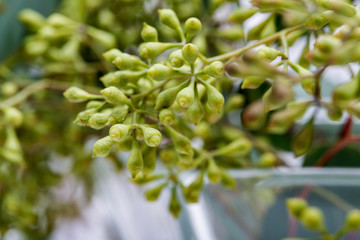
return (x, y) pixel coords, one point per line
(267, 160)
(192, 192)
(75, 94)
(211, 114)
(152, 136)
(98, 120)
(149, 33)
(339, 6)
(120, 78)
(36, 47)
(253, 117)
(347, 92)
(327, 43)
(231, 33)
(318, 21)
(149, 159)
(313, 219)
(119, 114)
(168, 17)
(112, 54)
(195, 112)
(182, 144)
(13, 116)
(57, 20)
(8, 89)
(11, 149)
(32, 18)
(214, 98)
(83, 117)
(235, 102)
(153, 194)
(269, 53)
(119, 131)
(103, 147)
(166, 98)
(192, 26)
(103, 37)
(151, 50)
(214, 172)
(252, 82)
(94, 104)
(238, 147)
(176, 59)
(190, 53)
(241, 14)
(227, 180)
(302, 141)
(186, 96)
(215, 69)
(166, 117)
(278, 95)
(127, 61)
(307, 80)
(135, 161)
(174, 206)
(115, 96)
(335, 113)
(168, 156)
(352, 221)
(296, 206)
(159, 72)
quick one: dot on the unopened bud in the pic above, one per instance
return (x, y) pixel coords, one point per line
(168, 17)
(98, 120)
(152, 136)
(231, 33)
(159, 72)
(127, 61)
(8, 89)
(313, 219)
(115, 96)
(75, 94)
(241, 14)
(317, 21)
(135, 161)
(149, 159)
(339, 6)
(253, 117)
(166, 117)
(167, 97)
(186, 96)
(235, 102)
(241, 147)
(176, 59)
(13, 116)
(192, 26)
(327, 43)
(227, 180)
(269, 53)
(83, 117)
(302, 141)
(153, 194)
(192, 192)
(267, 160)
(112, 54)
(102, 147)
(296, 206)
(32, 18)
(214, 98)
(352, 221)
(151, 50)
(215, 69)
(174, 206)
(195, 112)
(214, 172)
(182, 144)
(190, 53)
(119, 131)
(149, 33)
(252, 82)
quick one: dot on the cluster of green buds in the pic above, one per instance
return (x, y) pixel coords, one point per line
(312, 218)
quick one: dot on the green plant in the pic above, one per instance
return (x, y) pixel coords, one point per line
(179, 87)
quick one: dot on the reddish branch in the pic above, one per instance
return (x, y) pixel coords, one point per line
(345, 138)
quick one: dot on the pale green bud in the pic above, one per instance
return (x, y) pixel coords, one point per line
(98, 120)
(13, 116)
(227, 180)
(36, 47)
(75, 94)
(174, 206)
(235, 102)
(32, 18)
(214, 98)
(302, 141)
(11, 150)
(231, 33)
(159, 72)
(318, 21)
(166, 98)
(192, 26)
(313, 219)
(186, 96)
(296, 206)
(119, 113)
(347, 92)
(121, 78)
(153, 194)
(103, 147)
(267, 160)
(215, 69)
(252, 82)
(94, 104)
(152, 136)
(192, 192)
(58, 20)
(103, 37)
(112, 54)
(241, 14)
(167, 117)
(195, 112)
(269, 53)
(190, 53)
(182, 144)
(119, 131)
(339, 6)
(176, 59)
(135, 161)
(115, 96)
(127, 61)
(83, 117)
(352, 221)
(168, 17)
(328, 43)
(9, 89)
(151, 50)
(253, 117)
(149, 159)
(214, 172)
(241, 147)
(149, 33)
